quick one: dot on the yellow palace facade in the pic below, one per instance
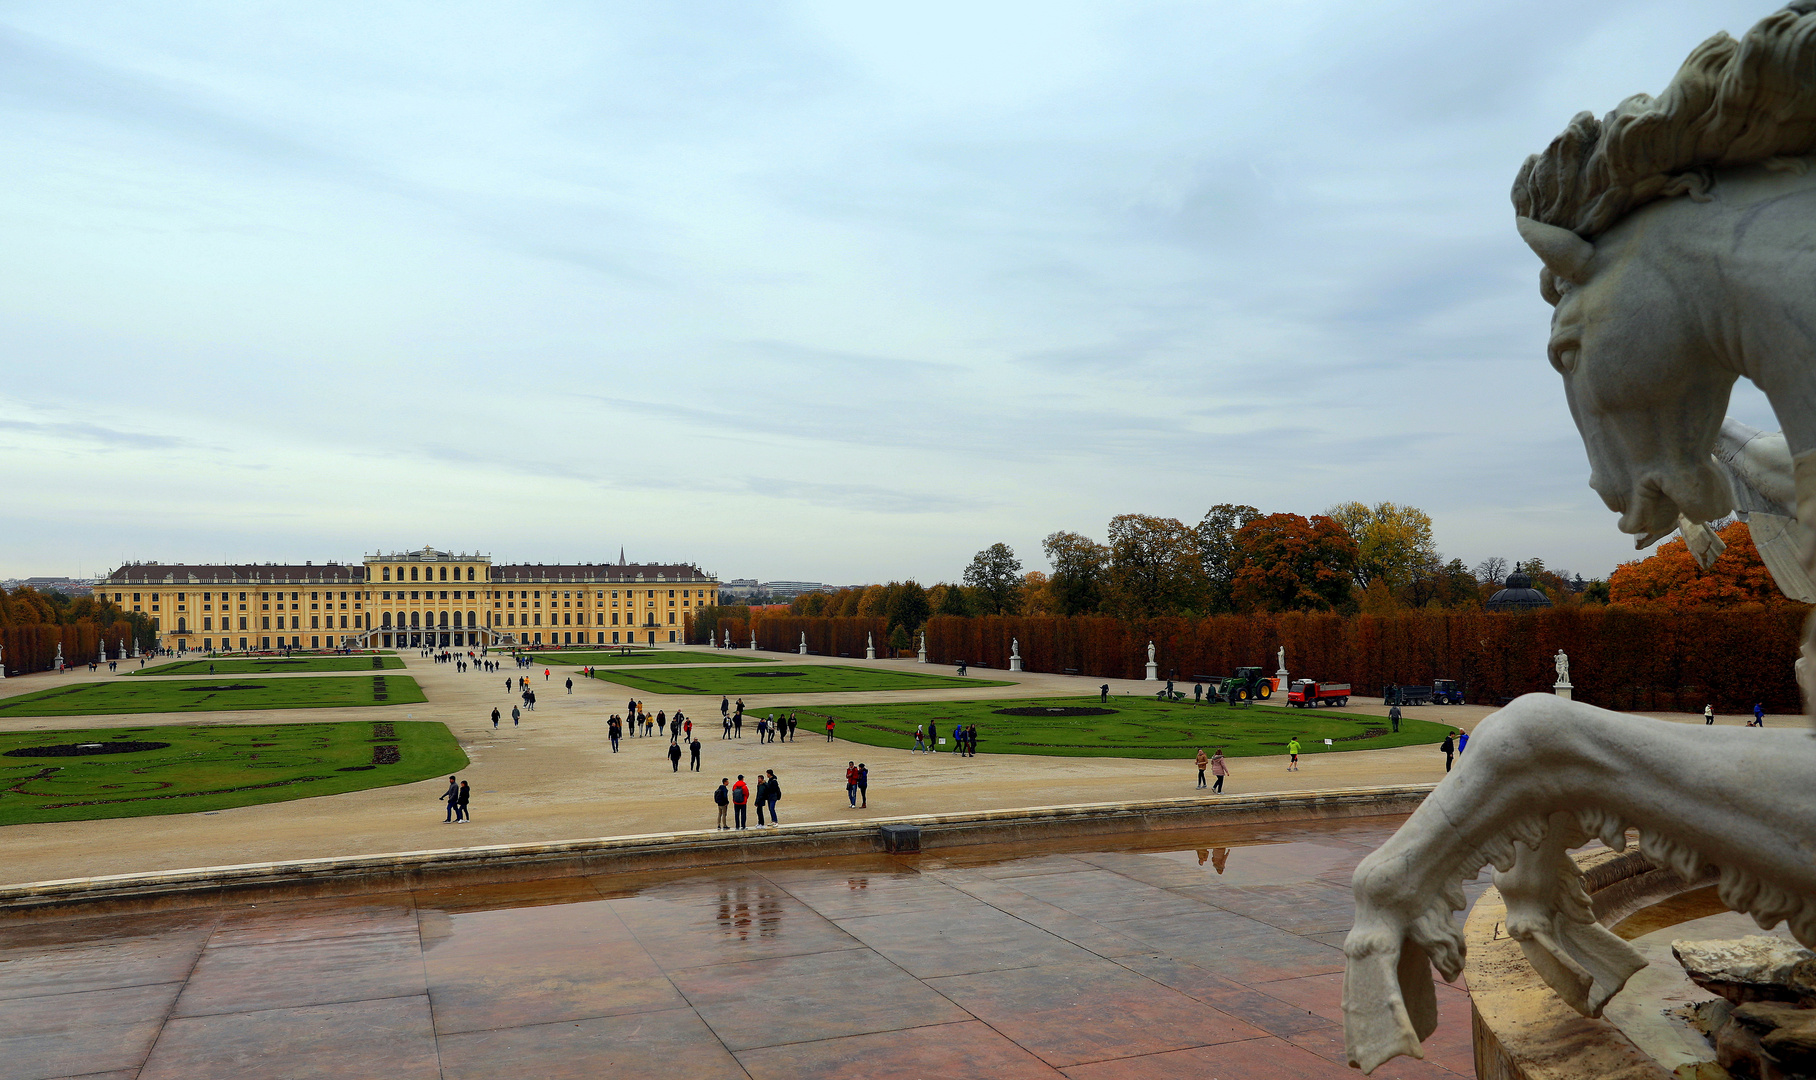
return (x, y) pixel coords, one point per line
(412, 599)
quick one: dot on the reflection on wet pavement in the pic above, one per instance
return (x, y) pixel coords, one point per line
(1201, 954)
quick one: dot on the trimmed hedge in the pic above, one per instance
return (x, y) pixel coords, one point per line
(33, 647)
(1620, 657)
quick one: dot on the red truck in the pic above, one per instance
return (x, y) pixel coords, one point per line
(1306, 694)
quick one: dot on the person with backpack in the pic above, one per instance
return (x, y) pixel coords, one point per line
(920, 738)
(1449, 746)
(614, 730)
(494, 718)
(740, 794)
(570, 685)
(829, 729)
(722, 799)
(1709, 715)
(933, 737)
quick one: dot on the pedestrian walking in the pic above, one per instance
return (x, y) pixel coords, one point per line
(452, 798)
(724, 707)
(614, 730)
(740, 794)
(1219, 770)
(1393, 714)
(693, 758)
(933, 737)
(725, 727)
(494, 718)
(851, 783)
(1709, 715)
(545, 674)
(829, 729)
(661, 722)
(1204, 761)
(687, 727)
(514, 715)
(863, 786)
(722, 800)
(462, 815)
(1449, 746)
(737, 725)
(1759, 714)
(920, 737)
(774, 790)
(674, 758)
(1292, 751)
(792, 724)
(570, 686)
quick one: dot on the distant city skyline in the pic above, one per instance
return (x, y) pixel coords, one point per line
(847, 291)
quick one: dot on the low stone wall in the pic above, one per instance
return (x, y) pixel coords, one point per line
(684, 850)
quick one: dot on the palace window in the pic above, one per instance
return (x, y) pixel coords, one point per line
(469, 578)
(387, 571)
(444, 573)
(412, 573)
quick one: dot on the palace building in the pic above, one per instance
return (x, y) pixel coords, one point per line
(411, 599)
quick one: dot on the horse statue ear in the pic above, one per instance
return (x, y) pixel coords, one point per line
(1563, 252)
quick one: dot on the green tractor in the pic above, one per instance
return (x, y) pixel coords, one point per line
(1246, 686)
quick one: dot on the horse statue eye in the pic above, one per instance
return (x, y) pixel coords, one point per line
(1564, 357)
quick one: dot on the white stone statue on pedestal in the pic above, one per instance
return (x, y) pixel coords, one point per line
(1015, 654)
(803, 643)
(59, 660)
(1562, 687)
(728, 637)
(122, 650)
(1280, 679)
(135, 648)
(869, 646)
(2, 661)
(923, 658)
(1153, 668)
(753, 639)
(1710, 179)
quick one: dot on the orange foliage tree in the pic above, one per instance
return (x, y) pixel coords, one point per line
(1670, 576)
(1286, 563)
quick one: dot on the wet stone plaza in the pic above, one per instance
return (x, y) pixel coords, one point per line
(1198, 954)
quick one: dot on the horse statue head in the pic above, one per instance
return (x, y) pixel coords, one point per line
(1677, 234)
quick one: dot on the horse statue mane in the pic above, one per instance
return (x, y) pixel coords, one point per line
(1732, 103)
(1660, 305)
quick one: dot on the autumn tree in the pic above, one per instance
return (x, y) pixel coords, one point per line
(1154, 567)
(948, 599)
(1037, 594)
(996, 574)
(1670, 576)
(1079, 564)
(1491, 571)
(1393, 543)
(1286, 563)
(907, 608)
(1216, 538)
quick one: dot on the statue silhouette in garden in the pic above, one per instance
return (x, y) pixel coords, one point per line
(1678, 237)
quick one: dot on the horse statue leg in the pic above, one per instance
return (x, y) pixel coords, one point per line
(1540, 777)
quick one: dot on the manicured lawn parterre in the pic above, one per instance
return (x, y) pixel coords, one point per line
(273, 665)
(1136, 728)
(184, 768)
(615, 659)
(785, 679)
(215, 695)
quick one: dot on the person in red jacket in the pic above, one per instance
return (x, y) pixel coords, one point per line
(851, 782)
(740, 797)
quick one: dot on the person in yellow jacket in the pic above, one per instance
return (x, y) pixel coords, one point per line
(1292, 753)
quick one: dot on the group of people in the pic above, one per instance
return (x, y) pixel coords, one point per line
(457, 797)
(737, 798)
(857, 784)
(1759, 715)
(964, 739)
(1219, 769)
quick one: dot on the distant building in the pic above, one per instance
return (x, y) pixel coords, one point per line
(410, 599)
(1519, 595)
(65, 585)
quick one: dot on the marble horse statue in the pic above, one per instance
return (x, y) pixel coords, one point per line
(1678, 242)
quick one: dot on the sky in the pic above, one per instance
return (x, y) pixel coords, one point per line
(836, 291)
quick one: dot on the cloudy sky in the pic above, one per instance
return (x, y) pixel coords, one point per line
(833, 291)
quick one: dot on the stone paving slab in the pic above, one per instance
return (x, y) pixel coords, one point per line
(1091, 957)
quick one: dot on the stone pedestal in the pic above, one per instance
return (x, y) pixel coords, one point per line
(1153, 672)
(1015, 663)
(1281, 682)
(1562, 690)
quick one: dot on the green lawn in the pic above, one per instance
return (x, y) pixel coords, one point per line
(603, 659)
(214, 695)
(785, 679)
(1140, 727)
(215, 766)
(269, 665)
